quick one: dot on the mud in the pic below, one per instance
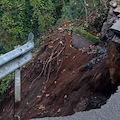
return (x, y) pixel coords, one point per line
(58, 83)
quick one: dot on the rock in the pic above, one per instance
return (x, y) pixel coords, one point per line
(79, 42)
(90, 65)
(116, 39)
(105, 33)
(116, 26)
(113, 3)
(105, 29)
(117, 10)
(101, 50)
(111, 14)
(110, 34)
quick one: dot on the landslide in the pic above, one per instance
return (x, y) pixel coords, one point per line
(57, 83)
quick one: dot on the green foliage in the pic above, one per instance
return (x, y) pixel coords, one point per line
(12, 14)
(2, 49)
(70, 28)
(19, 17)
(4, 84)
(57, 5)
(118, 1)
(43, 14)
(86, 35)
(98, 22)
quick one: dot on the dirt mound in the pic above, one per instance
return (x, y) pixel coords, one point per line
(60, 81)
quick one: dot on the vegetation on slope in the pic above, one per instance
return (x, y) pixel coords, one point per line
(19, 17)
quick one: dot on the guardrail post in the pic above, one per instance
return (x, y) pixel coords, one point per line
(17, 94)
(13, 61)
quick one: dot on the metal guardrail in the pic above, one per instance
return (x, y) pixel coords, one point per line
(12, 61)
(16, 58)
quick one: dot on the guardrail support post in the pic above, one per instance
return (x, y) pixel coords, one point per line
(12, 61)
(17, 94)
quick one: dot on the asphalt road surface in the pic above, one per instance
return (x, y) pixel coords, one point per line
(109, 111)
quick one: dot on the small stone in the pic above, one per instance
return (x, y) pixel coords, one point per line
(90, 65)
(38, 96)
(116, 39)
(39, 114)
(72, 72)
(42, 107)
(55, 82)
(58, 110)
(43, 91)
(47, 95)
(73, 57)
(65, 96)
(119, 15)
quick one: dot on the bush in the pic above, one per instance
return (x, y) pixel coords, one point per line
(2, 49)
(4, 84)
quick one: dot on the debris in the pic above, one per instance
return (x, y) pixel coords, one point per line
(39, 113)
(101, 50)
(76, 86)
(47, 95)
(50, 46)
(38, 96)
(58, 110)
(42, 107)
(63, 71)
(27, 103)
(55, 82)
(12, 91)
(90, 65)
(73, 57)
(43, 91)
(65, 96)
(61, 42)
(73, 72)
(59, 28)
(119, 15)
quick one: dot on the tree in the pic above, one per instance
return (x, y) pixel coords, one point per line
(19, 17)
(43, 14)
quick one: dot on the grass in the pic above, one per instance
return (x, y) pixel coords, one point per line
(87, 35)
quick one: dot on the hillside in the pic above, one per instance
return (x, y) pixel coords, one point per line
(62, 80)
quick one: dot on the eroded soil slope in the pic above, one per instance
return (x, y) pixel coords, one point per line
(58, 82)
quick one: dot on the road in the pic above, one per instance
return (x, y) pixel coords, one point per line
(109, 111)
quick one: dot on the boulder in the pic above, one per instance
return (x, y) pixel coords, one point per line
(79, 42)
